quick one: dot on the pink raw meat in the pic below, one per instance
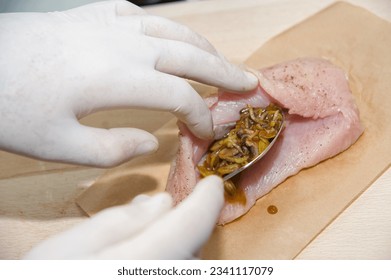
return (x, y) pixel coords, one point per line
(322, 120)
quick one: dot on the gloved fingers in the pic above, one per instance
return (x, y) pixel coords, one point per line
(184, 49)
(159, 27)
(179, 233)
(102, 147)
(106, 228)
(178, 97)
(187, 61)
(155, 91)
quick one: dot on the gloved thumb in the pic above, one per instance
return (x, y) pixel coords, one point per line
(103, 147)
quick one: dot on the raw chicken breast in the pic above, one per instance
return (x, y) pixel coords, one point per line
(322, 120)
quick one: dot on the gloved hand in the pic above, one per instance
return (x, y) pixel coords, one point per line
(58, 67)
(147, 228)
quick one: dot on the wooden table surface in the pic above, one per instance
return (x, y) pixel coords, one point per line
(37, 199)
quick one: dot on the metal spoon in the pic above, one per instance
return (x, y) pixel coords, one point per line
(224, 127)
(258, 157)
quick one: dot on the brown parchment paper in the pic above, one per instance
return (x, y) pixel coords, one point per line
(350, 37)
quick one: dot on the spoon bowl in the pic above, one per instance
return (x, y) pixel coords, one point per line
(235, 164)
(257, 158)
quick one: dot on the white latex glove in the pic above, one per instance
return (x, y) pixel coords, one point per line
(147, 228)
(58, 67)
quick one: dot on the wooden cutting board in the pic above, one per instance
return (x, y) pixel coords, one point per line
(350, 37)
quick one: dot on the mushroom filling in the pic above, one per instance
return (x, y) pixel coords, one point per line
(250, 136)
